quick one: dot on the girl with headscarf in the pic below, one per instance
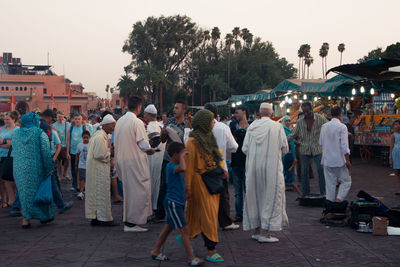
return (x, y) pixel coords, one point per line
(32, 165)
(289, 160)
(202, 207)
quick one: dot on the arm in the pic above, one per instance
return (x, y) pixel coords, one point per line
(245, 146)
(283, 141)
(7, 144)
(231, 144)
(100, 150)
(391, 148)
(77, 159)
(68, 144)
(344, 145)
(186, 135)
(182, 163)
(145, 146)
(45, 154)
(58, 149)
(295, 133)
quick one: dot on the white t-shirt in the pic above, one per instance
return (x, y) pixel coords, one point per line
(82, 151)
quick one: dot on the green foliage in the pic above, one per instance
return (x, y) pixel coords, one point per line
(391, 51)
(172, 52)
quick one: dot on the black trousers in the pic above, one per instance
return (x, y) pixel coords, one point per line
(73, 172)
(160, 212)
(224, 218)
(210, 245)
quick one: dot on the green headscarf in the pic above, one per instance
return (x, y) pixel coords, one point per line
(202, 133)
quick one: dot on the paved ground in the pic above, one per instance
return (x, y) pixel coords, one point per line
(70, 241)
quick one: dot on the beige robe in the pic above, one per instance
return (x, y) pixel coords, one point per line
(265, 203)
(133, 168)
(97, 188)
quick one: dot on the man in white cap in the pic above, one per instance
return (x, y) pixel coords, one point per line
(155, 161)
(98, 182)
(265, 203)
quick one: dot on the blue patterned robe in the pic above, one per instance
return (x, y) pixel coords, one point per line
(32, 164)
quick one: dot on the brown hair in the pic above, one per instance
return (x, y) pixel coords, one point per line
(14, 115)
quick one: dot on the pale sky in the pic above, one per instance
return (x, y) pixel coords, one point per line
(85, 37)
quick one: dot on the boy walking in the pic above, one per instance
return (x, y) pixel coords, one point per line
(174, 204)
(80, 162)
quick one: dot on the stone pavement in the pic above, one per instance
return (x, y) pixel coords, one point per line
(70, 241)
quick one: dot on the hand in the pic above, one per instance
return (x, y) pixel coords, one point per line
(150, 151)
(188, 194)
(348, 165)
(68, 157)
(225, 175)
(54, 159)
(188, 124)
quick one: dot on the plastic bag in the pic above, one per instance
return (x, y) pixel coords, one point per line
(44, 194)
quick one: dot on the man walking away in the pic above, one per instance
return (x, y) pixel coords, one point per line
(335, 157)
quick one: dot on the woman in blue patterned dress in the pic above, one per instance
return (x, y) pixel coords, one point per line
(394, 156)
(32, 164)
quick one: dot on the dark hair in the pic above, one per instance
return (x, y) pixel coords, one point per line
(86, 133)
(175, 147)
(22, 107)
(336, 111)
(14, 115)
(396, 121)
(183, 103)
(242, 108)
(105, 113)
(2, 123)
(306, 104)
(134, 102)
(212, 108)
(48, 113)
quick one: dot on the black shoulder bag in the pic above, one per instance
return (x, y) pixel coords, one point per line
(213, 180)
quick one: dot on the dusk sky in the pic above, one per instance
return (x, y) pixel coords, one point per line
(85, 38)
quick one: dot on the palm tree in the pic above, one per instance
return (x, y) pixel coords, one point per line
(300, 55)
(341, 49)
(215, 35)
(107, 89)
(306, 53)
(215, 83)
(322, 54)
(228, 43)
(125, 86)
(326, 46)
(308, 61)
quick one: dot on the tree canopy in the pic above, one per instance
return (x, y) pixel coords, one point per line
(391, 51)
(172, 57)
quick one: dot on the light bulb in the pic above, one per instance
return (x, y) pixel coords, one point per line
(295, 96)
(301, 101)
(362, 89)
(329, 97)
(239, 103)
(392, 95)
(305, 97)
(233, 105)
(315, 99)
(281, 104)
(372, 91)
(290, 101)
(353, 92)
(287, 110)
(286, 98)
(352, 98)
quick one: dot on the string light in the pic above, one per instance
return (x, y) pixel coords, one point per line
(287, 110)
(329, 97)
(305, 97)
(233, 105)
(372, 91)
(352, 98)
(392, 95)
(315, 99)
(362, 89)
(353, 92)
(295, 96)
(281, 104)
(239, 103)
(301, 101)
(286, 98)
(290, 101)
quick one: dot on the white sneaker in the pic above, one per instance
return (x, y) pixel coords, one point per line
(255, 237)
(270, 239)
(232, 227)
(135, 229)
(81, 196)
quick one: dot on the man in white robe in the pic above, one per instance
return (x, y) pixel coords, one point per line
(98, 195)
(131, 150)
(265, 203)
(155, 160)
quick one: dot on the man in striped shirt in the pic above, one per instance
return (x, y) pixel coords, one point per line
(308, 129)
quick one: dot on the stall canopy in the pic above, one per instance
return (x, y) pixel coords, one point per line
(380, 69)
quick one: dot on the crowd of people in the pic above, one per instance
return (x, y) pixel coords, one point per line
(173, 170)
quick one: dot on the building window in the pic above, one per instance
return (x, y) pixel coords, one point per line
(117, 102)
(20, 88)
(25, 88)
(16, 88)
(44, 91)
(2, 88)
(6, 88)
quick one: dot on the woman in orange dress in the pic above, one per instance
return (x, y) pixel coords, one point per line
(202, 207)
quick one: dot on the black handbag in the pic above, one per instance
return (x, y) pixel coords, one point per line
(213, 180)
(6, 167)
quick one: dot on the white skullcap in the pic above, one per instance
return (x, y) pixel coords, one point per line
(266, 106)
(107, 119)
(151, 109)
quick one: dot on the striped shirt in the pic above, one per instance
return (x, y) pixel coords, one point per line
(309, 141)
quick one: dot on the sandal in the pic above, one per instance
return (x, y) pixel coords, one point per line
(160, 257)
(195, 262)
(5, 205)
(215, 258)
(26, 226)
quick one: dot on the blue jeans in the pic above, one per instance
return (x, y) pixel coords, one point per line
(305, 178)
(73, 172)
(239, 182)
